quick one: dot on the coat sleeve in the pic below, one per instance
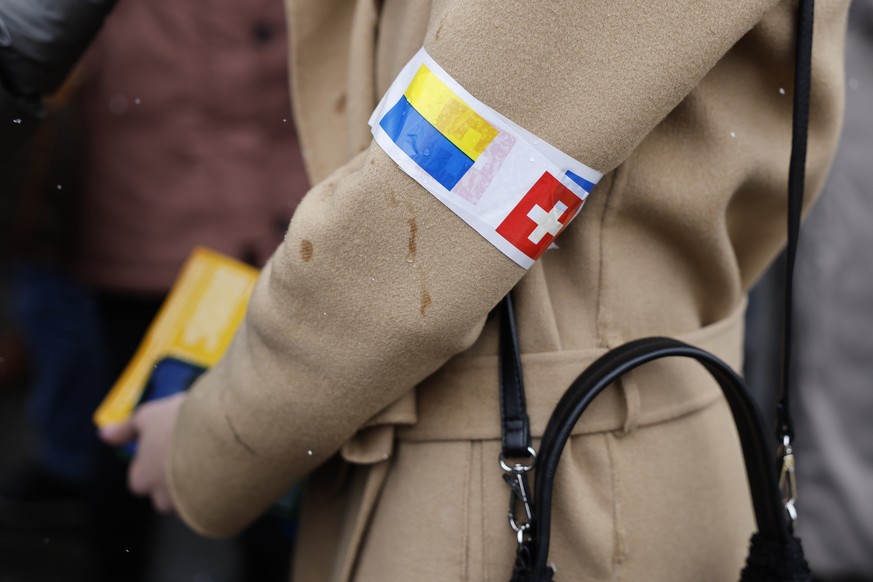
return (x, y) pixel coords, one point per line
(378, 284)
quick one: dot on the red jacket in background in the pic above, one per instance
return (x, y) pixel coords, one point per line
(189, 139)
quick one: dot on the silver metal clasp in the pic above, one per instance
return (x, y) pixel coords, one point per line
(516, 477)
(787, 479)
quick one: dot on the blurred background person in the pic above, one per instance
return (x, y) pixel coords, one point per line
(833, 351)
(833, 361)
(186, 139)
(40, 41)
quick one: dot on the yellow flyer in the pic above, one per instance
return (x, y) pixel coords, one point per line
(193, 327)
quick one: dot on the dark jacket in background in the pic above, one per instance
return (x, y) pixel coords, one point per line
(40, 41)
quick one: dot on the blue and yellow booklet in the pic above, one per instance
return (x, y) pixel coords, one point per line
(190, 333)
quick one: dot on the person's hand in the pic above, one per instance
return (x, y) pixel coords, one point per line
(152, 426)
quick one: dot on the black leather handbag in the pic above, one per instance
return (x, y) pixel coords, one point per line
(775, 554)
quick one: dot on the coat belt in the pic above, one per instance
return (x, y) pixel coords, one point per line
(461, 402)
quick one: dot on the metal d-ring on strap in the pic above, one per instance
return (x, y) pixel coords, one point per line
(515, 476)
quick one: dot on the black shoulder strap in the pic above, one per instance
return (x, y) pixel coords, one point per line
(796, 182)
(515, 426)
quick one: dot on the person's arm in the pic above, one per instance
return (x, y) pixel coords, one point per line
(378, 283)
(40, 42)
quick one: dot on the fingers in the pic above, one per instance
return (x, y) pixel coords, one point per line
(162, 502)
(139, 480)
(152, 425)
(118, 434)
(142, 482)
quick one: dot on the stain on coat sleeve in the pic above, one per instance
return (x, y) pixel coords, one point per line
(306, 250)
(413, 244)
(425, 301)
(339, 104)
(439, 30)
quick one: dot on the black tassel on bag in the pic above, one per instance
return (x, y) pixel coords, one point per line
(775, 554)
(770, 561)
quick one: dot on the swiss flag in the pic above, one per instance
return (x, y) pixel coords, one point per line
(540, 216)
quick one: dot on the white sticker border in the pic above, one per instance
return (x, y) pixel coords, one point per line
(542, 156)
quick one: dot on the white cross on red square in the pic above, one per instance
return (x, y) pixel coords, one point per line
(547, 222)
(529, 226)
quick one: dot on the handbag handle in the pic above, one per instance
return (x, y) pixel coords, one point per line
(610, 368)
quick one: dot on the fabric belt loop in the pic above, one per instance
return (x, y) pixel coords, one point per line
(631, 393)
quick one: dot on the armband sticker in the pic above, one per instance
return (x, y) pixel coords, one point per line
(516, 190)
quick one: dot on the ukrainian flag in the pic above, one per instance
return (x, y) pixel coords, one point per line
(436, 129)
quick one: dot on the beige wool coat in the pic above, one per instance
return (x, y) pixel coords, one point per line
(366, 362)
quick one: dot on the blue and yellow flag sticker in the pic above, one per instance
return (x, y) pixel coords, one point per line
(448, 113)
(437, 129)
